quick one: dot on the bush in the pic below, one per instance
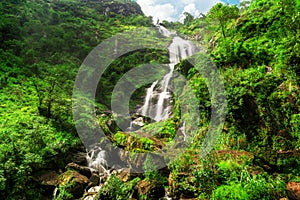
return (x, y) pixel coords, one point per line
(233, 191)
(115, 189)
(263, 186)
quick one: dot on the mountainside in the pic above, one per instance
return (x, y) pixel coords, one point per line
(42, 44)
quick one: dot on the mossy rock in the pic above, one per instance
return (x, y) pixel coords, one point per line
(73, 183)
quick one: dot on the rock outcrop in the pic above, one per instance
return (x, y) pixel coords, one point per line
(108, 7)
(73, 182)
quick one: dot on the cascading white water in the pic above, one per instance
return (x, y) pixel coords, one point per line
(165, 31)
(97, 159)
(149, 94)
(157, 104)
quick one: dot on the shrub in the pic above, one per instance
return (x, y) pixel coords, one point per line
(116, 189)
(233, 191)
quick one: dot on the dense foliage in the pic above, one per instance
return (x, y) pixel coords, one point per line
(255, 52)
(42, 44)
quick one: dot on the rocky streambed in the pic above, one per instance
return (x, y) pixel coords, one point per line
(84, 179)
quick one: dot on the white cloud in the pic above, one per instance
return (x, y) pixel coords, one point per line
(172, 10)
(191, 8)
(164, 11)
(186, 2)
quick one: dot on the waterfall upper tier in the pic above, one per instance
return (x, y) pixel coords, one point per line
(159, 98)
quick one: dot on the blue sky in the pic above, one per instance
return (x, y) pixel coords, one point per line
(172, 10)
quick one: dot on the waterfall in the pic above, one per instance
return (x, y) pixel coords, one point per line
(149, 94)
(157, 105)
(97, 160)
(158, 101)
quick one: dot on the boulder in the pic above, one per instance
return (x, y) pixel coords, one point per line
(81, 169)
(137, 124)
(73, 182)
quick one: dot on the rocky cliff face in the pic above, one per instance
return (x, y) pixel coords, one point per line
(122, 7)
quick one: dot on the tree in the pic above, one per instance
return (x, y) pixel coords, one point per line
(223, 14)
(188, 18)
(245, 4)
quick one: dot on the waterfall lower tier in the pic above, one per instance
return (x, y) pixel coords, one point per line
(97, 159)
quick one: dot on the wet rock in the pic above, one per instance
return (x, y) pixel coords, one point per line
(94, 180)
(81, 169)
(293, 190)
(73, 182)
(137, 161)
(97, 159)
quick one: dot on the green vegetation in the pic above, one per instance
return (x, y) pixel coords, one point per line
(116, 189)
(42, 45)
(255, 48)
